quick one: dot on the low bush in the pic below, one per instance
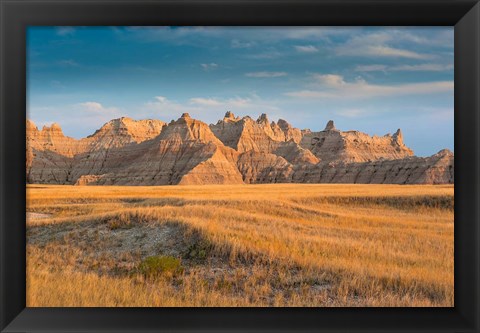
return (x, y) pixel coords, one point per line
(156, 266)
(199, 250)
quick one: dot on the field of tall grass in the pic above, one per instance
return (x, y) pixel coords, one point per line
(240, 245)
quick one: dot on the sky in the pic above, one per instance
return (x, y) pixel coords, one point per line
(371, 79)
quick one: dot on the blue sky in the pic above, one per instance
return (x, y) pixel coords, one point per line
(372, 79)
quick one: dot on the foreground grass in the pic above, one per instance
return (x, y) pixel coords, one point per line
(250, 245)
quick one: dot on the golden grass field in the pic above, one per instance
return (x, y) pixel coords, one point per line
(241, 245)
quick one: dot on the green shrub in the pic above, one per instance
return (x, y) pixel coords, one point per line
(199, 250)
(156, 266)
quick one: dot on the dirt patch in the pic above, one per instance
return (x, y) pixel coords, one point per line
(96, 247)
(32, 216)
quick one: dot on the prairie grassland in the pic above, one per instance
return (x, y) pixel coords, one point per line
(241, 245)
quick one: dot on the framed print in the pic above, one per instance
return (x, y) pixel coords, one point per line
(240, 166)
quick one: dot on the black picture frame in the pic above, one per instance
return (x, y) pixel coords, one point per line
(17, 15)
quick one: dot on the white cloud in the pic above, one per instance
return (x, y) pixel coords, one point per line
(386, 51)
(163, 105)
(378, 51)
(92, 106)
(442, 37)
(330, 80)
(423, 68)
(313, 33)
(266, 74)
(65, 31)
(207, 109)
(84, 117)
(209, 66)
(375, 45)
(205, 101)
(237, 44)
(334, 86)
(96, 107)
(239, 37)
(238, 102)
(306, 48)
(407, 68)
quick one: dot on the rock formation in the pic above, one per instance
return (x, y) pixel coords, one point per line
(233, 151)
(353, 146)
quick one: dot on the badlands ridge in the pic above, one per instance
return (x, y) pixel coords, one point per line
(233, 151)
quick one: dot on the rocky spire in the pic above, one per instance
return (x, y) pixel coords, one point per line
(229, 115)
(54, 128)
(330, 126)
(185, 115)
(263, 119)
(398, 136)
(283, 124)
(31, 125)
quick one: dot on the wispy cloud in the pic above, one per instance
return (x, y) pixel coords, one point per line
(387, 51)
(313, 33)
(68, 62)
(212, 107)
(378, 51)
(265, 55)
(443, 37)
(334, 86)
(238, 44)
(207, 109)
(422, 68)
(406, 68)
(84, 116)
(205, 101)
(65, 31)
(239, 38)
(98, 108)
(377, 45)
(57, 84)
(162, 106)
(266, 74)
(306, 48)
(210, 66)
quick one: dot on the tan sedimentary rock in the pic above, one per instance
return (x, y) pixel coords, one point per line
(244, 134)
(354, 146)
(185, 152)
(258, 167)
(295, 154)
(233, 151)
(290, 132)
(436, 169)
(55, 158)
(49, 154)
(123, 131)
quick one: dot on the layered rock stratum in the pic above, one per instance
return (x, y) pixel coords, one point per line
(233, 151)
